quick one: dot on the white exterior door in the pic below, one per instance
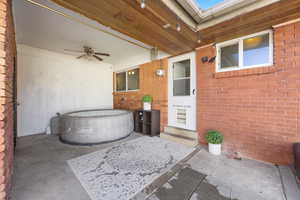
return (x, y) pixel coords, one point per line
(182, 92)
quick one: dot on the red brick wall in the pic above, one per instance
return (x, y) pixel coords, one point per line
(258, 110)
(7, 53)
(150, 84)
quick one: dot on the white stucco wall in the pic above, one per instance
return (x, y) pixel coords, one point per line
(50, 82)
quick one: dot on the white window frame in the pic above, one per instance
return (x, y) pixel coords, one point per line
(240, 43)
(126, 80)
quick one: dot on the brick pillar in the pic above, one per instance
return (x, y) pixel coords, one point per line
(7, 55)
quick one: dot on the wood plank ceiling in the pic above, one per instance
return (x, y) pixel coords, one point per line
(252, 22)
(146, 25)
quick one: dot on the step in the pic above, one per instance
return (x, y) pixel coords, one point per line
(181, 132)
(179, 139)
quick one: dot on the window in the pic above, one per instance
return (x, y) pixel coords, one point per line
(133, 79)
(230, 56)
(247, 52)
(121, 81)
(181, 78)
(129, 80)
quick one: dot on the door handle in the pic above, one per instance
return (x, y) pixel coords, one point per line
(194, 90)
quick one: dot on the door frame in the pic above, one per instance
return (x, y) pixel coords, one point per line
(193, 89)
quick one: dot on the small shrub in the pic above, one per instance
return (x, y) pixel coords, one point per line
(147, 98)
(214, 137)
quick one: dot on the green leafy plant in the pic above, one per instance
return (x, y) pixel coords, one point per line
(147, 98)
(214, 137)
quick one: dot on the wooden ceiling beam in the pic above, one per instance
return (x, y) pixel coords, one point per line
(151, 23)
(255, 21)
(130, 21)
(146, 25)
(166, 13)
(161, 17)
(253, 16)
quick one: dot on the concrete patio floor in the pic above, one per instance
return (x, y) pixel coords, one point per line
(41, 172)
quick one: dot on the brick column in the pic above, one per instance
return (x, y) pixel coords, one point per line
(7, 55)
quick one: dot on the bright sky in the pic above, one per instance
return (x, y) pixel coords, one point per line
(206, 4)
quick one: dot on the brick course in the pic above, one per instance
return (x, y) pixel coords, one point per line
(7, 53)
(150, 84)
(256, 109)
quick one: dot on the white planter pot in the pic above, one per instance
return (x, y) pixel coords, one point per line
(147, 106)
(214, 149)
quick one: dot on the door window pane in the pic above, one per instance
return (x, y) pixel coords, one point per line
(256, 50)
(133, 79)
(121, 81)
(181, 87)
(181, 78)
(230, 56)
(181, 69)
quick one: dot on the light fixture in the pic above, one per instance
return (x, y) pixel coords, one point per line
(160, 71)
(204, 59)
(212, 59)
(166, 25)
(199, 37)
(143, 4)
(178, 26)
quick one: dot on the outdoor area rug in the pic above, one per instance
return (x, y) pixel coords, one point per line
(122, 171)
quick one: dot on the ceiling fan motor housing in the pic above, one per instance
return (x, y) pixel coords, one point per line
(88, 50)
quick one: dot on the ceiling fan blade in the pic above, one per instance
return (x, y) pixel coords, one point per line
(77, 51)
(81, 56)
(102, 54)
(98, 58)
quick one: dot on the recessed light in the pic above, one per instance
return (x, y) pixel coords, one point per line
(166, 25)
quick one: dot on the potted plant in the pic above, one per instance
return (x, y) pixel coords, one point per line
(214, 139)
(147, 100)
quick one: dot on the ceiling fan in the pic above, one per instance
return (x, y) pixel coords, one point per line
(89, 52)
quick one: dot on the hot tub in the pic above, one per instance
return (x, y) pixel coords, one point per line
(88, 127)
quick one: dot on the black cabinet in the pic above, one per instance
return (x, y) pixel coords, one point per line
(147, 122)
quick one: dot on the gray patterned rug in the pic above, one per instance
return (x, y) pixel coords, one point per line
(122, 171)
